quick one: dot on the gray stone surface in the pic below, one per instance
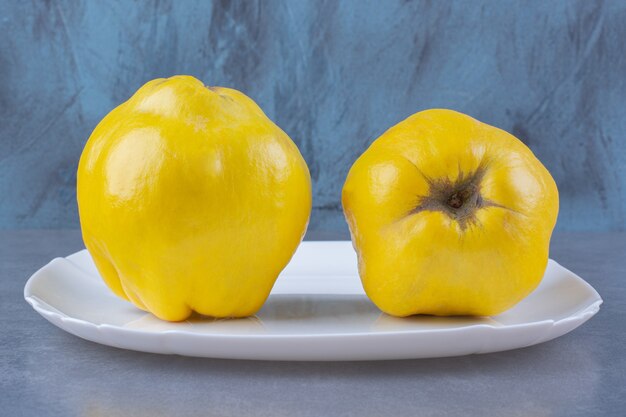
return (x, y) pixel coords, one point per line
(47, 372)
(334, 75)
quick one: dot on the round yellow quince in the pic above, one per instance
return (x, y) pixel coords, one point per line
(449, 216)
(191, 199)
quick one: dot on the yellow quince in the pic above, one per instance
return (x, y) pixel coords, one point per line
(191, 199)
(449, 216)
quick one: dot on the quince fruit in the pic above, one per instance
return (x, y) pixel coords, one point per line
(449, 216)
(191, 199)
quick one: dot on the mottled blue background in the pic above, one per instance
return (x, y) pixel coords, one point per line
(333, 74)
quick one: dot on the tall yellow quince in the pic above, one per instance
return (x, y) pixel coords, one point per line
(191, 199)
(449, 216)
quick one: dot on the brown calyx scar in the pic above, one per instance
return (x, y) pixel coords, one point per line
(460, 199)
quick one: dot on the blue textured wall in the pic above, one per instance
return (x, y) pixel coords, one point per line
(334, 75)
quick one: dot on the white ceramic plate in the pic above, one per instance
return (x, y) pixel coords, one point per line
(317, 311)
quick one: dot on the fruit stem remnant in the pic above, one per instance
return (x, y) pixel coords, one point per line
(459, 199)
